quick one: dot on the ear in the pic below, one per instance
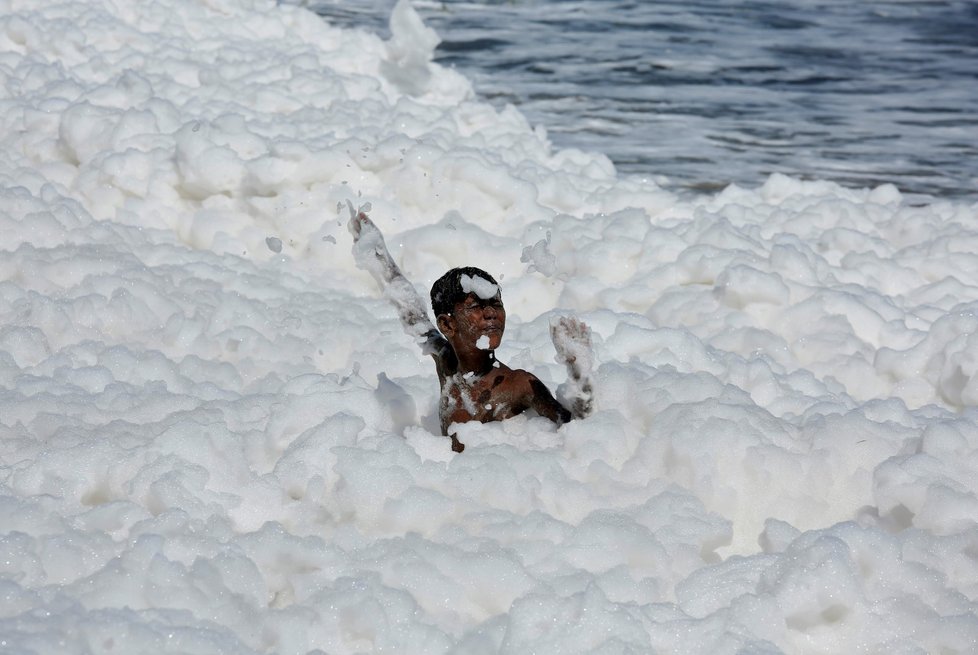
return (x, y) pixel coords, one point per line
(446, 323)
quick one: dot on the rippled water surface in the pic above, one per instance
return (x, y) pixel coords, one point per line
(706, 93)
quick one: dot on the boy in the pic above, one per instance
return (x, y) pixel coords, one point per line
(471, 318)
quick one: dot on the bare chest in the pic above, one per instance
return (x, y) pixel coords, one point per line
(491, 397)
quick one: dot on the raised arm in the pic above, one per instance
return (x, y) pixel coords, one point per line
(572, 341)
(371, 255)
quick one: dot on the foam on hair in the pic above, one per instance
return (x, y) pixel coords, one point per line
(447, 290)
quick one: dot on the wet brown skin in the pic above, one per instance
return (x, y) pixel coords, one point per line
(480, 388)
(504, 393)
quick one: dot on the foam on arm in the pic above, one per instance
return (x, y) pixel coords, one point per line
(371, 255)
(572, 341)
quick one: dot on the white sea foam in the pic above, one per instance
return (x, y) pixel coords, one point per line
(478, 285)
(209, 444)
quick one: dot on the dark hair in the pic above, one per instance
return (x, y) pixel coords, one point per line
(447, 290)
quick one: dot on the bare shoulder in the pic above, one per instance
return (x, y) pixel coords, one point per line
(534, 394)
(509, 383)
(527, 383)
(513, 376)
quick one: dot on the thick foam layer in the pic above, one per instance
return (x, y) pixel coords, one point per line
(215, 436)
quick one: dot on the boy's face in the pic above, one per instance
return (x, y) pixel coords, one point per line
(473, 318)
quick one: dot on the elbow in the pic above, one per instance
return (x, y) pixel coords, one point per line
(563, 416)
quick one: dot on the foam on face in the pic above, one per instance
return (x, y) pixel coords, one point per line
(215, 440)
(478, 285)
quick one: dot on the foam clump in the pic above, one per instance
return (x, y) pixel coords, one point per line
(409, 51)
(478, 285)
(217, 440)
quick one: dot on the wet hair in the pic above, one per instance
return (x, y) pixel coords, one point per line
(447, 290)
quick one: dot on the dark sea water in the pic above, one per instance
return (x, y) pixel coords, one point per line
(708, 92)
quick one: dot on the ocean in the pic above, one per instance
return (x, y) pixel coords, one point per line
(707, 93)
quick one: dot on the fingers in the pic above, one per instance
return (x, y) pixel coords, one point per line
(565, 325)
(354, 225)
(570, 328)
(572, 341)
(357, 222)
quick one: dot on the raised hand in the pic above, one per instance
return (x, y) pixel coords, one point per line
(371, 254)
(369, 249)
(572, 341)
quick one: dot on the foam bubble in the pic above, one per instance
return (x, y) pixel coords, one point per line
(479, 286)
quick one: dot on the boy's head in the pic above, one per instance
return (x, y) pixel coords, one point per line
(454, 286)
(468, 306)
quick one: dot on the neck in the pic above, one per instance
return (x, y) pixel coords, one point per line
(479, 362)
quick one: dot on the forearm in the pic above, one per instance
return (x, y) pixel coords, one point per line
(578, 392)
(371, 255)
(546, 405)
(410, 308)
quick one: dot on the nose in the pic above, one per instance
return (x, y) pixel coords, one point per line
(489, 311)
